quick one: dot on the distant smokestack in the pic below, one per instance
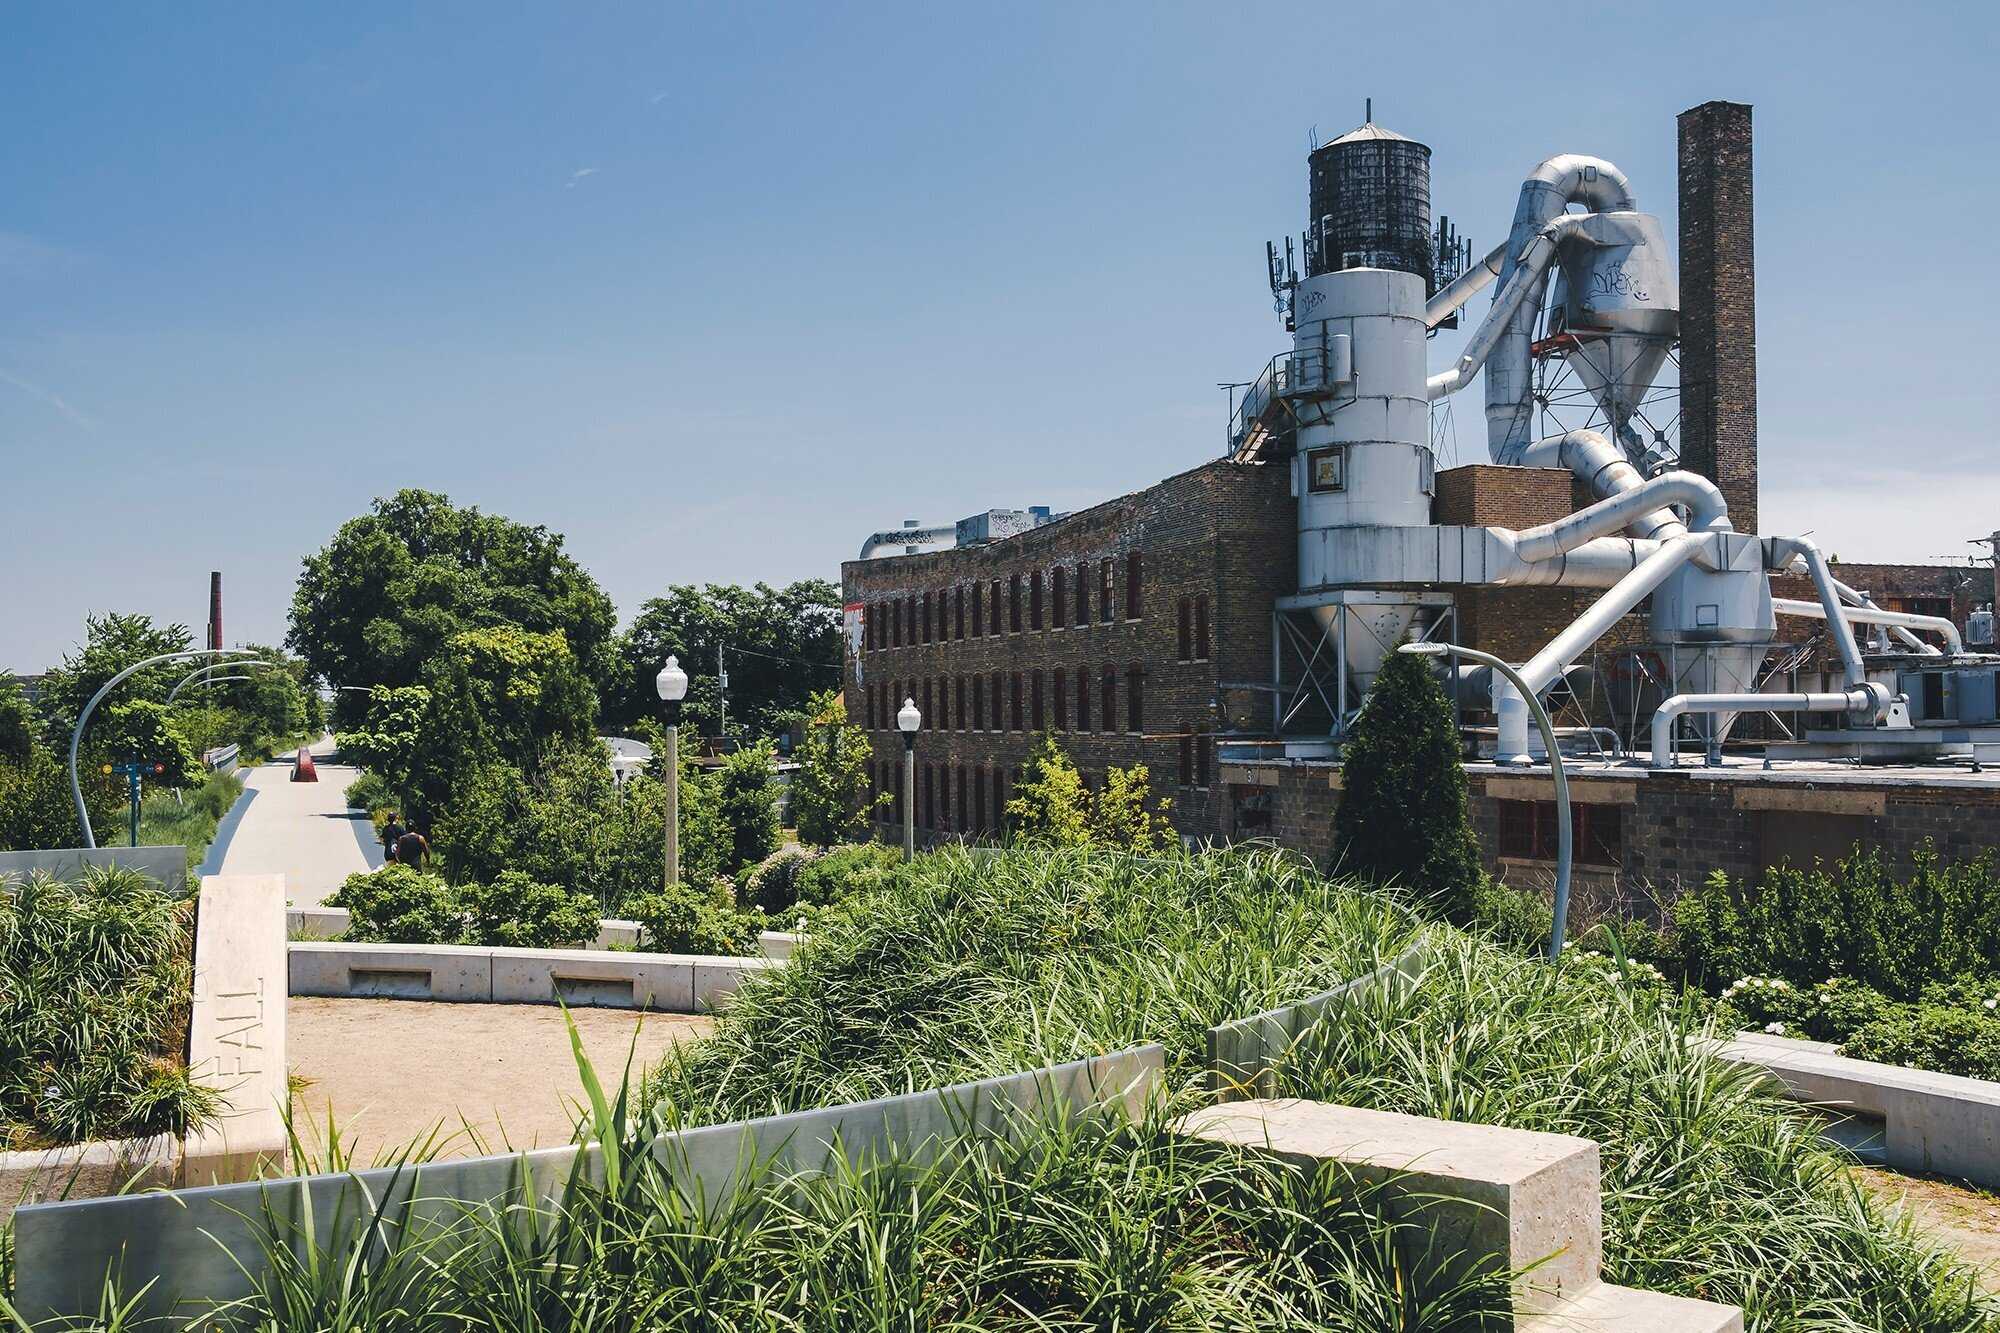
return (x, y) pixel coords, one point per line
(215, 608)
(1719, 305)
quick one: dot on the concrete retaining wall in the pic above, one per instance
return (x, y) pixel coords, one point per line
(1940, 1123)
(201, 1246)
(330, 923)
(1245, 1054)
(163, 865)
(676, 983)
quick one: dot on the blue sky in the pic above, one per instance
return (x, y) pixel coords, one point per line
(718, 291)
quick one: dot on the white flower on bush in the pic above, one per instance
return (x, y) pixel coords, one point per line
(1992, 1004)
(1775, 1029)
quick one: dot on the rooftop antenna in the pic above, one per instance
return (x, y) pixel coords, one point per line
(1368, 112)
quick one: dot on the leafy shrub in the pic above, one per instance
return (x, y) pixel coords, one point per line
(1972, 993)
(1052, 807)
(1843, 1006)
(1126, 814)
(1768, 1004)
(830, 802)
(847, 872)
(772, 885)
(1518, 918)
(37, 811)
(1853, 919)
(1401, 818)
(1934, 1037)
(400, 904)
(684, 920)
(370, 792)
(96, 977)
(517, 911)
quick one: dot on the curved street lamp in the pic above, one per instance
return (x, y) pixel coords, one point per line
(1548, 731)
(909, 721)
(200, 671)
(76, 735)
(672, 684)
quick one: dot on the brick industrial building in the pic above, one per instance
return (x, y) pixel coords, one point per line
(1153, 629)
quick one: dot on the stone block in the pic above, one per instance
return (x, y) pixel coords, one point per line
(403, 971)
(716, 979)
(236, 1030)
(1501, 1198)
(1608, 1309)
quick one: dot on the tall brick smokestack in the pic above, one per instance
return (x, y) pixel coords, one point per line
(1719, 305)
(215, 608)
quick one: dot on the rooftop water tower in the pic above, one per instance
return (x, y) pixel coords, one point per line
(1355, 380)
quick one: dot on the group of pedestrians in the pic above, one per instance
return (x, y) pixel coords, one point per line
(403, 846)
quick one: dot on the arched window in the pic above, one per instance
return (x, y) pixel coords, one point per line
(993, 606)
(1082, 593)
(1034, 599)
(1133, 601)
(978, 626)
(1135, 706)
(1083, 698)
(958, 612)
(1058, 586)
(1014, 603)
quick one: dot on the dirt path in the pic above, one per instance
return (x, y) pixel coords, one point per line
(393, 1070)
(1964, 1219)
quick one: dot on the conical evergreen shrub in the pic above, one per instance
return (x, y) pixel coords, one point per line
(1402, 816)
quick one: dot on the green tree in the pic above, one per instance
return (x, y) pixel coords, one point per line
(20, 726)
(1049, 804)
(112, 642)
(377, 603)
(37, 811)
(830, 789)
(747, 791)
(780, 645)
(144, 731)
(508, 693)
(1126, 815)
(1402, 815)
(390, 742)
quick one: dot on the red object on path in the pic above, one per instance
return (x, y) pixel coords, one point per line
(302, 767)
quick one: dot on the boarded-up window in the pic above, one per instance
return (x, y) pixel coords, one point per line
(999, 723)
(1082, 593)
(1135, 708)
(1014, 603)
(959, 700)
(1058, 590)
(1204, 756)
(1184, 642)
(1083, 698)
(1186, 774)
(1014, 702)
(1201, 628)
(1134, 604)
(977, 627)
(1061, 718)
(1035, 700)
(1597, 832)
(993, 607)
(958, 612)
(1035, 599)
(1107, 710)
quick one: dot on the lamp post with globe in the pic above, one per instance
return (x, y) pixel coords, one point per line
(908, 721)
(672, 683)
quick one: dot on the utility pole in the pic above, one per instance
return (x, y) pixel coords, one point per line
(722, 697)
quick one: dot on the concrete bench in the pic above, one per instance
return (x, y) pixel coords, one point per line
(1944, 1124)
(672, 983)
(1501, 1199)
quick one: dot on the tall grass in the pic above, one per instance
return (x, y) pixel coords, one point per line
(1715, 1186)
(188, 818)
(95, 985)
(984, 964)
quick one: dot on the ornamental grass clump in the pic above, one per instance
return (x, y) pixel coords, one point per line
(96, 979)
(1715, 1186)
(977, 963)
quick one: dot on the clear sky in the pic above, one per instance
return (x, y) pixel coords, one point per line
(718, 291)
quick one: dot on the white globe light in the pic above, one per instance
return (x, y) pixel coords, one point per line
(908, 719)
(672, 682)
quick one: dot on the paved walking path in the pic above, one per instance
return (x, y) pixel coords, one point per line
(301, 830)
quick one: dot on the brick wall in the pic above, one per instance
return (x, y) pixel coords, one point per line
(1675, 828)
(1719, 304)
(1221, 535)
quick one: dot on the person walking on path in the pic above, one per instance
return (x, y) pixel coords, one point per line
(412, 849)
(392, 833)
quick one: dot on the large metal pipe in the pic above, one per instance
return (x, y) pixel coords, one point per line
(1861, 699)
(1624, 596)
(1707, 512)
(1464, 287)
(1855, 597)
(1875, 615)
(1527, 273)
(1604, 468)
(1599, 563)
(1789, 548)
(1548, 191)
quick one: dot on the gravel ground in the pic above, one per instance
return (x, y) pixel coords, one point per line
(394, 1070)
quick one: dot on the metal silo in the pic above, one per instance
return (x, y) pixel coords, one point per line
(1370, 205)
